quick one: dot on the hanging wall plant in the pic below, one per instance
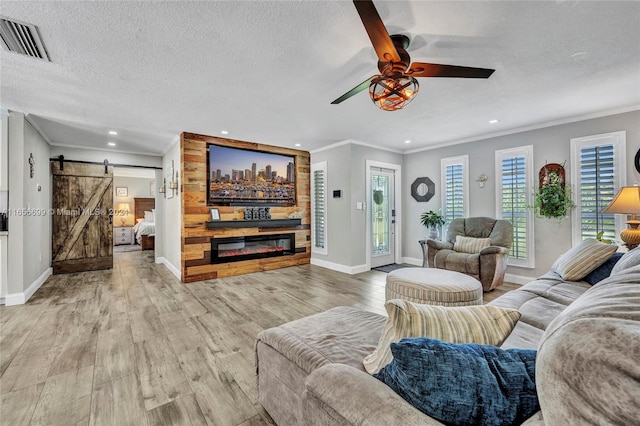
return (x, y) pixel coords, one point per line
(552, 199)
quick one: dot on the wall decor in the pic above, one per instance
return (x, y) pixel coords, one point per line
(122, 191)
(215, 214)
(32, 163)
(423, 189)
(636, 161)
(168, 180)
(552, 199)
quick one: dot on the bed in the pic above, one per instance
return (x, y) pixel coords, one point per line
(144, 230)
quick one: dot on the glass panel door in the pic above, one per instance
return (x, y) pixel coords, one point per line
(382, 218)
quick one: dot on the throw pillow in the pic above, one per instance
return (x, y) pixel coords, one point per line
(602, 271)
(489, 325)
(470, 244)
(628, 260)
(575, 264)
(464, 384)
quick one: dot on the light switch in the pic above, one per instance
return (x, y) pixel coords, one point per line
(358, 206)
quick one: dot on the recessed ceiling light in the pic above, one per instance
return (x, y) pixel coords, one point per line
(111, 143)
(407, 141)
(298, 144)
(493, 121)
(225, 132)
(113, 132)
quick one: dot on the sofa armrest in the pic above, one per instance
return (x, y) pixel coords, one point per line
(439, 245)
(337, 394)
(494, 250)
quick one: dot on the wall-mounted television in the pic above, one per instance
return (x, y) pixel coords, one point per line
(242, 177)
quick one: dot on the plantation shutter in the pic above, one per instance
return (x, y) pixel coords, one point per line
(597, 190)
(319, 207)
(454, 192)
(514, 202)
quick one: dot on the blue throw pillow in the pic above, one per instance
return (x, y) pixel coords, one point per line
(464, 384)
(602, 271)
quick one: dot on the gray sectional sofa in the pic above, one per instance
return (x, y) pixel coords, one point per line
(587, 371)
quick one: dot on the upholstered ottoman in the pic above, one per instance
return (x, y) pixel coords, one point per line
(433, 287)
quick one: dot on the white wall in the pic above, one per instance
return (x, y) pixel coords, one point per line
(346, 226)
(29, 240)
(169, 251)
(550, 144)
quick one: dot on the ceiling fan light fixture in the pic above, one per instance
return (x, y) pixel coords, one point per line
(391, 93)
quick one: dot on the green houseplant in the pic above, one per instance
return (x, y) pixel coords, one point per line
(552, 200)
(432, 220)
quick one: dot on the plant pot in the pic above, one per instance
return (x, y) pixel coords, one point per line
(433, 232)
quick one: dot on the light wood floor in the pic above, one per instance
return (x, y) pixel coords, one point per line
(134, 346)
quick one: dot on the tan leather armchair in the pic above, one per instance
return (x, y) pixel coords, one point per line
(489, 264)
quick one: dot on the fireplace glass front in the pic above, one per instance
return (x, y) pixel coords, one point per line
(234, 249)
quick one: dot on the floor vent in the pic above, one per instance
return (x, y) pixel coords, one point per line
(22, 38)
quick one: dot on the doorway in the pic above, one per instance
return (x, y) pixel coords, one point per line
(383, 239)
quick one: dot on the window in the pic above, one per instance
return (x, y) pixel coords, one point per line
(514, 175)
(598, 172)
(455, 187)
(319, 208)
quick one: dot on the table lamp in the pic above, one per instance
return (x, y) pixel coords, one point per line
(123, 212)
(627, 201)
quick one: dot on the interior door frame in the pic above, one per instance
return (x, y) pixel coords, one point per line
(397, 169)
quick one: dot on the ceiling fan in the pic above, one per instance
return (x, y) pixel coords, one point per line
(396, 85)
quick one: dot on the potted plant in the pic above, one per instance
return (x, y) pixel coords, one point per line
(432, 220)
(552, 199)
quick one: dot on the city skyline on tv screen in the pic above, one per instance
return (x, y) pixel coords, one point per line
(244, 177)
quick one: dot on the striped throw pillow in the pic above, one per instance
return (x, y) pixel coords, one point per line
(485, 325)
(575, 264)
(470, 244)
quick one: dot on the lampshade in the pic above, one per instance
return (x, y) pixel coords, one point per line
(124, 207)
(393, 93)
(123, 211)
(627, 201)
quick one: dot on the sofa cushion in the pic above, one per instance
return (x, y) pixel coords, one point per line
(576, 263)
(587, 367)
(488, 325)
(470, 244)
(466, 263)
(464, 384)
(343, 335)
(628, 260)
(602, 271)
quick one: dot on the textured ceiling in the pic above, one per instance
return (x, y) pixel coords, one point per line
(267, 71)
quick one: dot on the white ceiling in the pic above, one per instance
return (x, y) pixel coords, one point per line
(267, 71)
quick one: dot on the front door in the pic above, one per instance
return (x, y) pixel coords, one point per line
(82, 201)
(382, 202)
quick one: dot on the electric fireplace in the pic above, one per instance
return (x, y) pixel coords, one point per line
(233, 249)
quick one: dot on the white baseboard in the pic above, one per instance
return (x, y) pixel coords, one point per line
(518, 279)
(411, 261)
(175, 271)
(21, 298)
(351, 270)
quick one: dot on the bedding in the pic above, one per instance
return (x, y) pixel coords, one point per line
(143, 228)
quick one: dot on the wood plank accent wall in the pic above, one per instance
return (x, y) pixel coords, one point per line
(196, 239)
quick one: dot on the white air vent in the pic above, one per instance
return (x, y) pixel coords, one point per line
(22, 38)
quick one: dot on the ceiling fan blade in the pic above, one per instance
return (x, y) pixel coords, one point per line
(359, 88)
(422, 69)
(378, 34)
